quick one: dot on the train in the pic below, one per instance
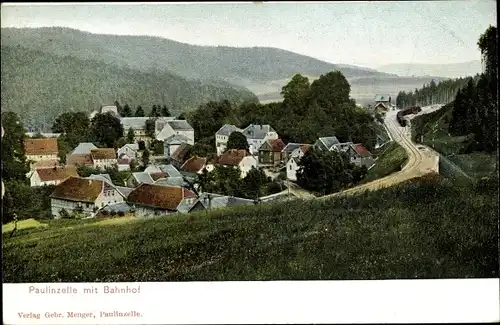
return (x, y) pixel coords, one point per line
(407, 111)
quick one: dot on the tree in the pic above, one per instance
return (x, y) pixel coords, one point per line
(254, 182)
(150, 127)
(119, 108)
(155, 111)
(14, 165)
(295, 94)
(330, 90)
(157, 147)
(165, 111)
(126, 111)
(74, 128)
(324, 171)
(121, 142)
(145, 157)
(130, 135)
(139, 112)
(182, 116)
(141, 144)
(106, 129)
(237, 140)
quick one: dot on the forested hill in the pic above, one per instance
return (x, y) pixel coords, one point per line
(233, 64)
(39, 86)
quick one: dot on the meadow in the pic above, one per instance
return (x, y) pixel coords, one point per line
(424, 228)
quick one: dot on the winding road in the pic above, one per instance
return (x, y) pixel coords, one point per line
(421, 160)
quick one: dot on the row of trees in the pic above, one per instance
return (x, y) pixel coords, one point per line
(156, 111)
(475, 109)
(440, 93)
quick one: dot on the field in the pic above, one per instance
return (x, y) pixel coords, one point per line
(391, 157)
(432, 130)
(426, 228)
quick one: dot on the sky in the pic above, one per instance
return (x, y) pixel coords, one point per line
(362, 33)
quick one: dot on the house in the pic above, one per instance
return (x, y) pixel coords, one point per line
(169, 169)
(103, 157)
(51, 176)
(292, 166)
(38, 150)
(130, 149)
(156, 200)
(176, 127)
(83, 148)
(172, 143)
(327, 143)
(180, 155)
(194, 165)
(360, 156)
(208, 201)
(112, 109)
(137, 178)
(78, 160)
(123, 163)
(383, 103)
(271, 152)
(238, 158)
(222, 135)
(138, 125)
(87, 196)
(257, 134)
(124, 191)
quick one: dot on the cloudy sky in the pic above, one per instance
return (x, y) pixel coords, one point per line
(361, 33)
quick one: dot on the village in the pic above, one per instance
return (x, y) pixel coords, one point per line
(168, 183)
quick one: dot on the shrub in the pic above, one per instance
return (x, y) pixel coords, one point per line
(113, 213)
(121, 213)
(63, 213)
(104, 212)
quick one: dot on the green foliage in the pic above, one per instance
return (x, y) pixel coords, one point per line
(126, 111)
(150, 127)
(326, 172)
(203, 148)
(139, 112)
(157, 147)
(237, 140)
(14, 164)
(74, 128)
(130, 135)
(86, 171)
(424, 229)
(209, 118)
(32, 80)
(106, 129)
(254, 183)
(145, 157)
(165, 111)
(121, 142)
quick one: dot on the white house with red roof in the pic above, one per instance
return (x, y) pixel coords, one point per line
(360, 156)
(51, 176)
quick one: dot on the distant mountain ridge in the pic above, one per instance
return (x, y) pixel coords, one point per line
(232, 64)
(451, 70)
(39, 86)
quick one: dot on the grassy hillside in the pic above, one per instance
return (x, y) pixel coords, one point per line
(190, 61)
(422, 229)
(390, 158)
(432, 130)
(40, 86)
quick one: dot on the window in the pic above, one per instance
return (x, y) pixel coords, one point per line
(290, 166)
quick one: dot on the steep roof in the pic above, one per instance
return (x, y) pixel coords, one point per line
(136, 123)
(103, 153)
(305, 147)
(131, 146)
(232, 157)
(180, 154)
(277, 145)
(102, 177)
(78, 189)
(79, 160)
(176, 139)
(227, 129)
(55, 174)
(360, 150)
(162, 197)
(254, 131)
(329, 142)
(47, 146)
(142, 177)
(382, 97)
(45, 163)
(83, 148)
(180, 125)
(194, 164)
(291, 146)
(125, 191)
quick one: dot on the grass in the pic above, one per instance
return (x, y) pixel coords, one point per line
(22, 224)
(390, 159)
(426, 228)
(432, 130)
